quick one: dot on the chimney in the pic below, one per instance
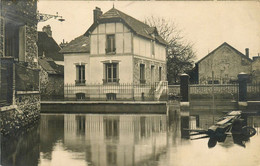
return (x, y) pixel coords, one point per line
(247, 52)
(47, 29)
(96, 14)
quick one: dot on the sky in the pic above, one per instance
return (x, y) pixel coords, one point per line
(206, 24)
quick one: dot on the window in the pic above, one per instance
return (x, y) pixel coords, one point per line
(160, 73)
(110, 47)
(142, 73)
(152, 74)
(80, 75)
(15, 41)
(111, 73)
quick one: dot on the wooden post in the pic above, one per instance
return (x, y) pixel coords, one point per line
(242, 90)
(184, 80)
(213, 97)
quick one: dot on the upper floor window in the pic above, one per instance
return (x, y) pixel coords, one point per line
(110, 47)
(80, 75)
(111, 73)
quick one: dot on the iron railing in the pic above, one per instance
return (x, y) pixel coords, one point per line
(119, 92)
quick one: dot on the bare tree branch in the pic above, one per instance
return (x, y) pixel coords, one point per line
(180, 54)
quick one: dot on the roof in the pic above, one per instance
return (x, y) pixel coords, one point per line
(78, 45)
(225, 44)
(135, 25)
(49, 46)
(50, 66)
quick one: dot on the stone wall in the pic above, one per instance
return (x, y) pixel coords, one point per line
(148, 64)
(52, 85)
(25, 112)
(31, 46)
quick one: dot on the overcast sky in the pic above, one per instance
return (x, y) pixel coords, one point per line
(206, 24)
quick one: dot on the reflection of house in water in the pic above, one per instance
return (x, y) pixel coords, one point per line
(116, 140)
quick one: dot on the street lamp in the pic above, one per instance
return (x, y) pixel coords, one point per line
(41, 17)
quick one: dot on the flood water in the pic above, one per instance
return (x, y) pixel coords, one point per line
(126, 140)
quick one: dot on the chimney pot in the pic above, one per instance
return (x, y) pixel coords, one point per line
(247, 52)
(47, 29)
(96, 14)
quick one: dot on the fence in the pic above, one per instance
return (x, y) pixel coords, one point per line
(122, 91)
(221, 91)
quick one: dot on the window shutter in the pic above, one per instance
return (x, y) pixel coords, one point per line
(22, 43)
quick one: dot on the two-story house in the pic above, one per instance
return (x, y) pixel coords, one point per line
(116, 49)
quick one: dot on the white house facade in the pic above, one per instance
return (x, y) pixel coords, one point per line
(116, 49)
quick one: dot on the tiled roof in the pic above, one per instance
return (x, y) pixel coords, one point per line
(50, 66)
(225, 44)
(135, 25)
(78, 45)
(49, 46)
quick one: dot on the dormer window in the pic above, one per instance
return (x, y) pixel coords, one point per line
(110, 47)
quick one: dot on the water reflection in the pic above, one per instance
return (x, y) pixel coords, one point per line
(106, 139)
(111, 140)
(21, 149)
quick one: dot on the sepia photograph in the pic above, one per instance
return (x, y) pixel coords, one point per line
(129, 83)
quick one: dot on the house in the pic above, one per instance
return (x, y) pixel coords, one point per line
(116, 49)
(51, 64)
(47, 46)
(222, 65)
(51, 79)
(19, 76)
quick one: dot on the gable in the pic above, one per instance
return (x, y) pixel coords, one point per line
(223, 49)
(136, 26)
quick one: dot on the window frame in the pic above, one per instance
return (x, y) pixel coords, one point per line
(142, 73)
(111, 73)
(110, 44)
(80, 74)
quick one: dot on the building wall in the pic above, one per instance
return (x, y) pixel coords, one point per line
(70, 61)
(126, 42)
(148, 64)
(26, 103)
(143, 47)
(256, 71)
(123, 38)
(225, 63)
(26, 112)
(52, 85)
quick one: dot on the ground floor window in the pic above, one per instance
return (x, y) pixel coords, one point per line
(142, 73)
(160, 73)
(111, 73)
(80, 74)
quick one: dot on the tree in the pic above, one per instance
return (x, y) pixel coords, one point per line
(180, 54)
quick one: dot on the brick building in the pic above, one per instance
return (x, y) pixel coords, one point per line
(19, 78)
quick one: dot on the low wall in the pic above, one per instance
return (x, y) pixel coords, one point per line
(25, 111)
(104, 107)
